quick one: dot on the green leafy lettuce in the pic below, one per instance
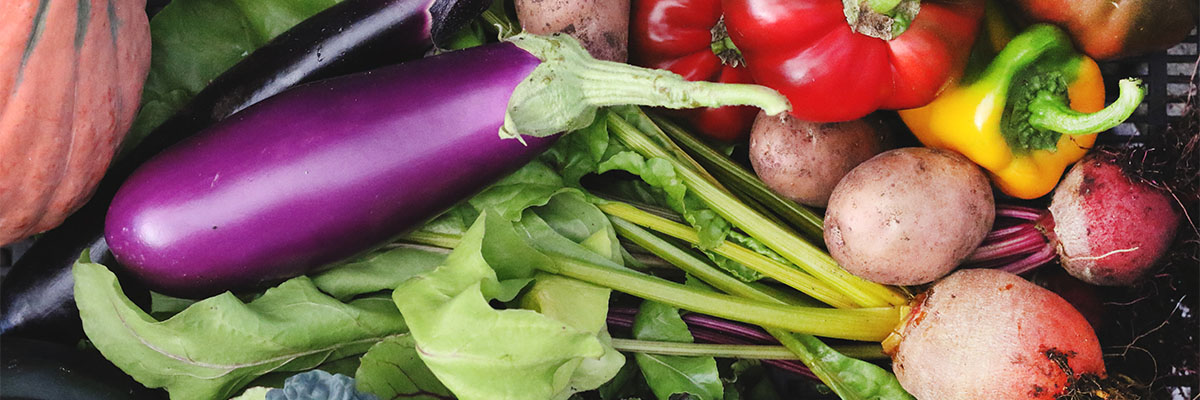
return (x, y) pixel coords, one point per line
(475, 350)
(218, 345)
(392, 370)
(669, 376)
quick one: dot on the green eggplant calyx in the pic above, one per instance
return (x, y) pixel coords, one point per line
(564, 92)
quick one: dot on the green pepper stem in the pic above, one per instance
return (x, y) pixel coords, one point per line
(1050, 112)
(1021, 52)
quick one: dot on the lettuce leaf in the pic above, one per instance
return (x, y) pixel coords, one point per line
(218, 345)
(477, 350)
(379, 271)
(669, 376)
(392, 370)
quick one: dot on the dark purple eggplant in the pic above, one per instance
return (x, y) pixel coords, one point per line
(355, 35)
(40, 370)
(334, 168)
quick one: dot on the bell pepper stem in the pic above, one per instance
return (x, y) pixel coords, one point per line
(882, 6)
(1052, 113)
(883, 19)
(722, 45)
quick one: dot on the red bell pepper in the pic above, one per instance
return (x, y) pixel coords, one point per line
(838, 61)
(688, 37)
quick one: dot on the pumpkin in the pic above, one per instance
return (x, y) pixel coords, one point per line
(71, 75)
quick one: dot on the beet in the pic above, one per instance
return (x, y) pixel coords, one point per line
(1110, 228)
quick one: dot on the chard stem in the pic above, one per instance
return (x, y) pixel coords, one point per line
(821, 360)
(434, 239)
(804, 254)
(743, 351)
(783, 273)
(697, 267)
(739, 179)
(866, 324)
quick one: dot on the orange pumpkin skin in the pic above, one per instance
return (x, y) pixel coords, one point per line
(71, 75)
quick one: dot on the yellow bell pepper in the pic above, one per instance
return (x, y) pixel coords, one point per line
(1013, 119)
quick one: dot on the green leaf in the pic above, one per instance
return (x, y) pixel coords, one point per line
(532, 185)
(393, 370)
(570, 226)
(476, 350)
(163, 306)
(194, 41)
(254, 393)
(850, 378)
(711, 228)
(579, 153)
(379, 271)
(585, 307)
(218, 345)
(669, 375)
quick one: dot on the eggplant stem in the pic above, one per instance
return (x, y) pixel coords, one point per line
(564, 92)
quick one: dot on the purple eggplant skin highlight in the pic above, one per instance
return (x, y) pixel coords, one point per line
(334, 168)
(320, 173)
(351, 36)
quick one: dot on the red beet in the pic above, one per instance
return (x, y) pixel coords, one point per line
(989, 334)
(1110, 228)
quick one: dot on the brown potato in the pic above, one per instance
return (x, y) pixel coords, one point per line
(804, 160)
(908, 216)
(602, 26)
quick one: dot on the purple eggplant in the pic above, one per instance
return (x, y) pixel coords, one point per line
(351, 36)
(334, 168)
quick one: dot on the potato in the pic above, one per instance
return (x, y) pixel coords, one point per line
(908, 216)
(602, 26)
(804, 160)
